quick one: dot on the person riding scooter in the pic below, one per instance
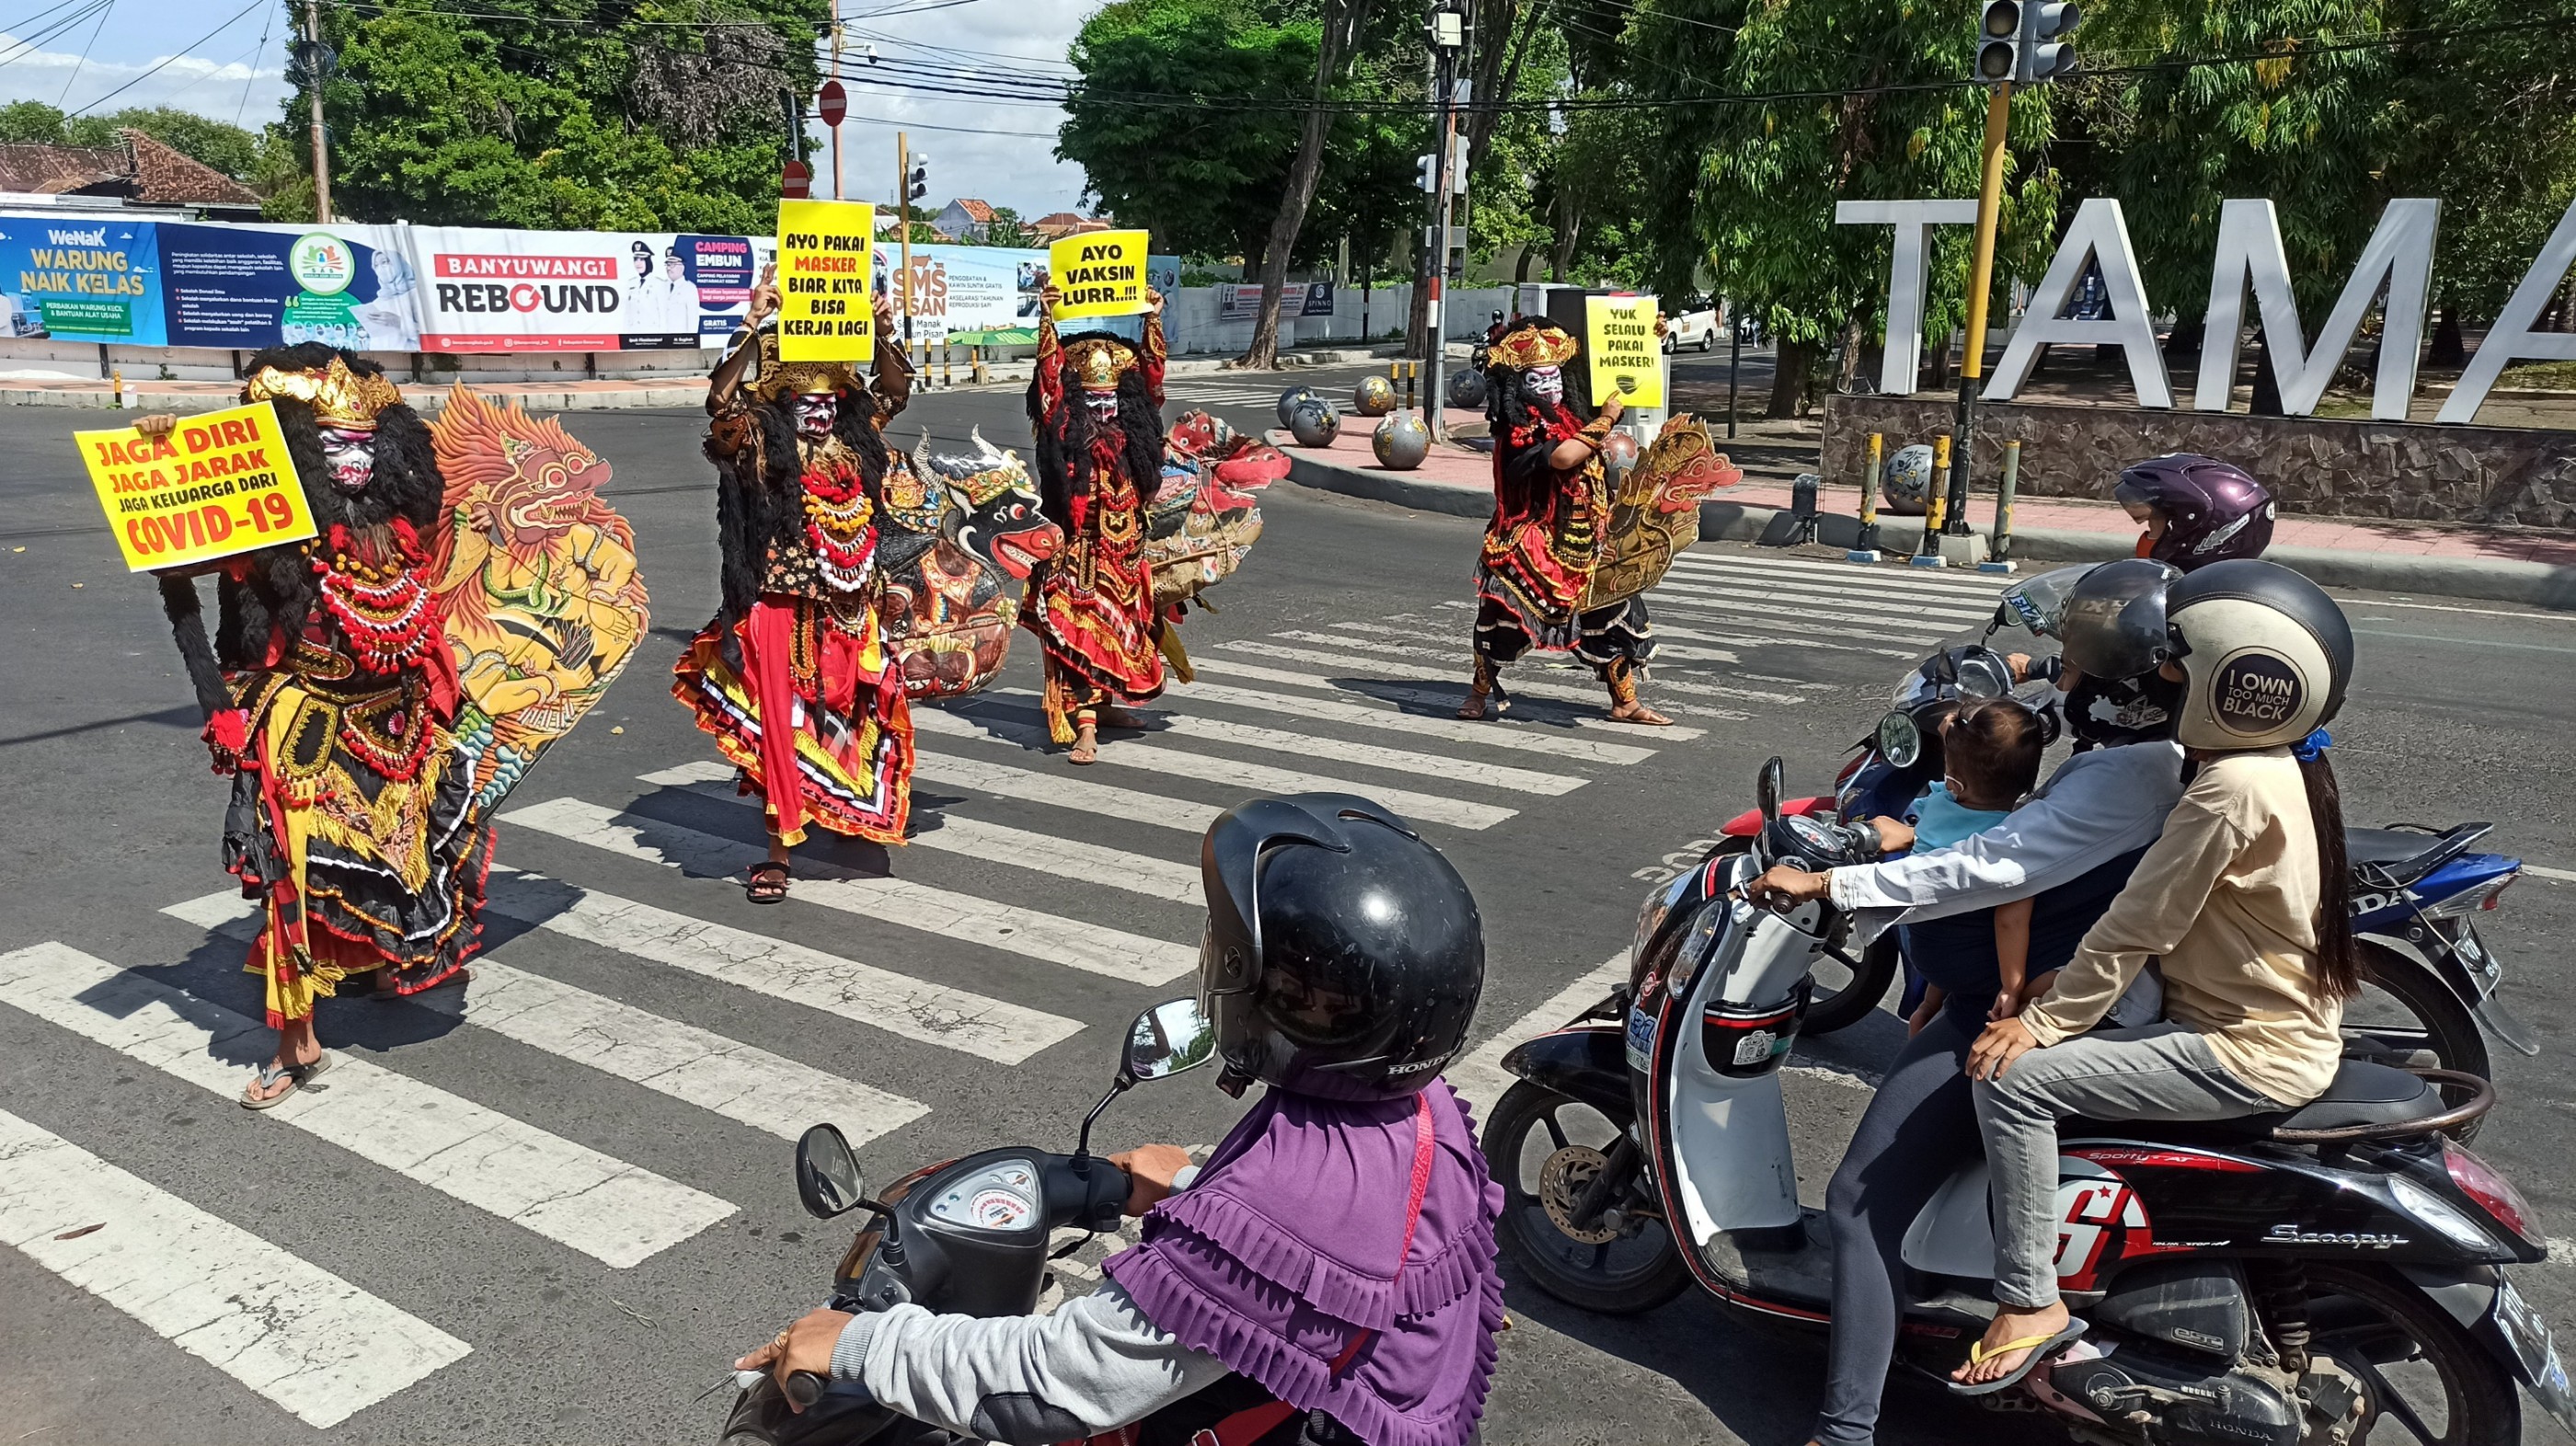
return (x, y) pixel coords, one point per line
(2241, 902)
(1329, 1275)
(2196, 510)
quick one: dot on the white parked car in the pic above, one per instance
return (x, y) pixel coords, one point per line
(1692, 323)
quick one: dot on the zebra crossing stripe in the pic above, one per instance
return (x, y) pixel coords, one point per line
(1255, 776)
(1517, 682)
(1761, 631)
(314, 1345)
(744, 1084)
(1889, 577)
(1452, 729)
(1446, 702)
(995, 843)
(1342, 660)
(1367, 755)
(1050, 938)
(1378, 644)
(1804, 625)
(1480, 1078)
(1056, 788)
(1754, 587)
(614, 1212)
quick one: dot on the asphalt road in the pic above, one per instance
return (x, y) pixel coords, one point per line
(471, 1314)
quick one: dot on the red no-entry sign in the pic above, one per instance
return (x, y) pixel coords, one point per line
(833, 104)
(795, 181)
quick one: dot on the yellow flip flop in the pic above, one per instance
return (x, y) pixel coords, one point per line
(2040, 1348)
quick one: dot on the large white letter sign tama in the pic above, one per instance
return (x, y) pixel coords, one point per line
(2512, 339)
(1903, 362)
(2400, 254)
(2099, 234)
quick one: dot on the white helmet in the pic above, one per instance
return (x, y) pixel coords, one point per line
(2267, 653)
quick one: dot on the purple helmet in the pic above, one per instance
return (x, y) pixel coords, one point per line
(2213, 511)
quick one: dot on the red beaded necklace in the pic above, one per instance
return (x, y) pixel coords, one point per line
(840, 523)
(382, 605)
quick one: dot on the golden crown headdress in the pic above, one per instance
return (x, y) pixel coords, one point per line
(1099, 363)
(1536, 346)
(779, 380)
(338, 396)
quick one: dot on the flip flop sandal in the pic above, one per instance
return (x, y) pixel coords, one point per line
(2040, 1348)
(768, 882)
(297, 1076)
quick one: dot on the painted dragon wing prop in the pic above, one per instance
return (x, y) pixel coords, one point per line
(1204, 519)
(537, 585)
(1656, 511)
(977, 528)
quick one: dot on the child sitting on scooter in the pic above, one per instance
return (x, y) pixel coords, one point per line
(1990, 751)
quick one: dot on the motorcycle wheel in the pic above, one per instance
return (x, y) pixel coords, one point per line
(2405, 1012)
(1544, 1148)
(1832, 1009)
(2426, 1375)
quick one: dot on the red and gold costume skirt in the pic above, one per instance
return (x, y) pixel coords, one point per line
(843, 760)
(1092, 607)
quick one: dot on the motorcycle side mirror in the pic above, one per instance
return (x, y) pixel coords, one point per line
(1170, 1037)
(827, 1173)
(1900, 740)
(1767, 791)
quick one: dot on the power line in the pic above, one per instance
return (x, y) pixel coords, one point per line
(83, 62)
(167, 60)
(256, 52)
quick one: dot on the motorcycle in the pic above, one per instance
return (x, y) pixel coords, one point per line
(2297, 1278)
(2432, 996)
(966, 1236)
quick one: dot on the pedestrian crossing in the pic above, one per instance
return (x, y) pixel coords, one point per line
(622, 965)
(1185, 393)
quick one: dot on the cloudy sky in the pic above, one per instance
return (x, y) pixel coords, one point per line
(80, 54)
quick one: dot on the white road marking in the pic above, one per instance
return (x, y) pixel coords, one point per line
(747, 1085)
(609, 1210)
(1058, 789)
(1881, 575)
(1453, 729)
(1516, 682)
(1740, 588)
(1803, 629)
(1754, 633)
(996, 843)
(314, 1345)
(2564, 876)
(1379, 642)
(1050, 938)
(1308, 745)
(1481, 1078)
(1260, 778)
(1801, 616)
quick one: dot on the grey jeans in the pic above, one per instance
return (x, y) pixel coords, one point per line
(2161, 1072)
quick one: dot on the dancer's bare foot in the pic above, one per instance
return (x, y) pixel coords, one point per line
(1086, 744)
(1637, 712)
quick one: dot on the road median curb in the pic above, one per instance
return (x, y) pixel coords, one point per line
(2533, 584)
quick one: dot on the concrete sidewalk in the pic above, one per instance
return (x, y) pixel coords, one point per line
(2533, 568)
(571, 394)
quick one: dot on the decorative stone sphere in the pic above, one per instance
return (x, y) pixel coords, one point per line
(1618, 454)
(1288, 401)
(1373, 397)
(1905, 488)
(1401, 442)
(1315, 423)
(1467, 388)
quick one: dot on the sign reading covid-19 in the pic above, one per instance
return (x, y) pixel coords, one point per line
(219, 484)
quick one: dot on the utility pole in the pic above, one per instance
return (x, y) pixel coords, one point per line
(1448, 38)
(315, 67)
(835, 120)
(903, 225)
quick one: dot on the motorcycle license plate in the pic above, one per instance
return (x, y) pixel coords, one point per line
(1641, 1039)
(2535, 1353)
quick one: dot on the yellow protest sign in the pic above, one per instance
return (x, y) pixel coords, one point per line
(1620, 345)
(1098, 273)
(826, 261)
(220, 484)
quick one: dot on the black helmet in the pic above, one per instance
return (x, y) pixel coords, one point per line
(1343, 956)
(2113, 623)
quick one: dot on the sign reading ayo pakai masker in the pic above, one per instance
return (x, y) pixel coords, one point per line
(826, 311)
(1620, 345)
(219, 484)
(1098, 273)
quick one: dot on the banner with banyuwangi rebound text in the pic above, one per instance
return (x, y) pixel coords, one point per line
(486, 291)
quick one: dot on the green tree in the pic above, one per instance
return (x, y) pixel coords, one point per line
(653, 116)
(1750, 184)
(226, 147)
(1005, 229)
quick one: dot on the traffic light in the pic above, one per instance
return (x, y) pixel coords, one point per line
(1999, 42)
(2045, 54)
(1426, 173)
(917, 184)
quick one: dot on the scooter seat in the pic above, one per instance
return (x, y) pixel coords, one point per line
(2387, 845)
(2362, 1094)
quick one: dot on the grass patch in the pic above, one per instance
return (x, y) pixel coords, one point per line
(2559, 376)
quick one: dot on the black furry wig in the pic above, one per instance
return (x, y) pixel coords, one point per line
(1508, 402)
(275, 596)
(753, 513)
(1064, 440)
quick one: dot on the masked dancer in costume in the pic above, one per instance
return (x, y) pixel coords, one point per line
(331, 693)
(1097, 402)
(1551, 512)
(792, 677)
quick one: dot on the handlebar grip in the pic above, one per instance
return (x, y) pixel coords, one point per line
(803, 1389)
